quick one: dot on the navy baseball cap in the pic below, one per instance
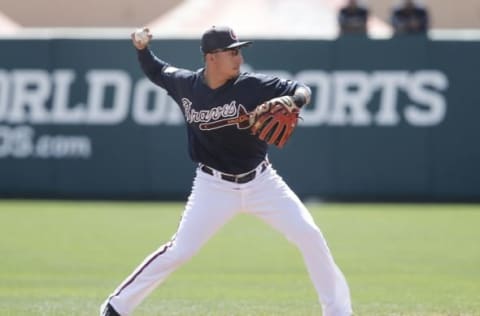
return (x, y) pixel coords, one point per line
(220, 38)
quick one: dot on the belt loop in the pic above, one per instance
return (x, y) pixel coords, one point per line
(262, 167)
(259, 168)
(216, 173)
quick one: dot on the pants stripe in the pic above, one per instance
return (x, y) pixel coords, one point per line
(143, 267)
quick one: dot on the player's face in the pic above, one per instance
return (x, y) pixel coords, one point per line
(228, 62)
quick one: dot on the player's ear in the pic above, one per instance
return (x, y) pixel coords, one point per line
(210, 57)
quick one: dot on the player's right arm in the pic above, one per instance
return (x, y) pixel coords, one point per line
(151, 65)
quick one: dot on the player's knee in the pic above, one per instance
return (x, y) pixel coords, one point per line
(307, 233)
(183, 254)
(310, 239)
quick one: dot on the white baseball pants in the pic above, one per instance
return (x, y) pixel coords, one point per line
(211, 204)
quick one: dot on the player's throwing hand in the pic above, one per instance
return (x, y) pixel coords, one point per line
(141, 38)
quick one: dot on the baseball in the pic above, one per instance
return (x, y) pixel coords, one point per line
(141, 36)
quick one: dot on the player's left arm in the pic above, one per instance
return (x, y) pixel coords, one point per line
(291, 101)
(275, 120)
(301, 97)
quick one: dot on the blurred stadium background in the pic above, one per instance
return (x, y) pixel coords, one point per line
(392, 118)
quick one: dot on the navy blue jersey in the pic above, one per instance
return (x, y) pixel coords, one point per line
(218, 135)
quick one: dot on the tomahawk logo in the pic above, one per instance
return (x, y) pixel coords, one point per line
(217, 117)
(242, 120)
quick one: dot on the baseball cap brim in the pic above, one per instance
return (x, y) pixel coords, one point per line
(239, 45)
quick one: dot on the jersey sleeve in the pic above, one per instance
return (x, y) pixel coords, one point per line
(152, 66)
(277, 87)
(162, 73)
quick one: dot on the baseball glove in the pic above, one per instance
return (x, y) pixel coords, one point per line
(275, 120)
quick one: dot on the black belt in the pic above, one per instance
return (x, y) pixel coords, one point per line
(242, 178)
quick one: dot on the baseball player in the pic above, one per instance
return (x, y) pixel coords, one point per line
(231, 118)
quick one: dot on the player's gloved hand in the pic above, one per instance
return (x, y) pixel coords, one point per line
(275, 120)
(286, 102)
(141, 38)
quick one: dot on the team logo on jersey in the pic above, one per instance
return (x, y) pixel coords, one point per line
(218, 117)
(242, 120)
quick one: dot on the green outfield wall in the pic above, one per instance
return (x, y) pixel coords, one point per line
(393, 119)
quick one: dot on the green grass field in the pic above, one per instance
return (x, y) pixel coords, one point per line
(63, 258)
